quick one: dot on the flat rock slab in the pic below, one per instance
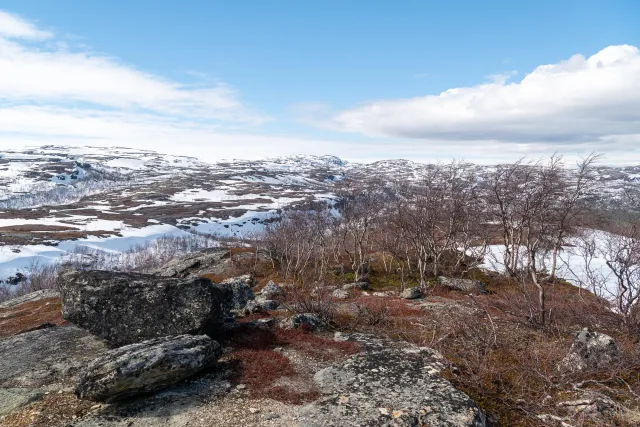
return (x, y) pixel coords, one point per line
(126, 308)
(389, 384)
(15, 398)
(46, 357)
(146, 367)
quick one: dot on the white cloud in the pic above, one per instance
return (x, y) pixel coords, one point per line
(44, 74)
(13, 26)
(502, 78)
(51, 92)
(579, 102)
(38, 125)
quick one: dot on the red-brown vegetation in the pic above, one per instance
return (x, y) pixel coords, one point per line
(263, 369)
(30, 316)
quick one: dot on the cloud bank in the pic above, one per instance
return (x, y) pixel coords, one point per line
(35, 69)
(579, 102)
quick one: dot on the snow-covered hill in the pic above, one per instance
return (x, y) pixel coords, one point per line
(116, 197)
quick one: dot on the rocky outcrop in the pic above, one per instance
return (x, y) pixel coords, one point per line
(412, 293)
(145, 367)
(125, 308)
(389, 384)
(462, 285)
(196, 264)
(590, 351)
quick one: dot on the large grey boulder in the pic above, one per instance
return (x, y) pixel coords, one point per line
(125, 308)
(146, 367)
(463, 285)
(195, 264)
(389, 384)
(590, 351)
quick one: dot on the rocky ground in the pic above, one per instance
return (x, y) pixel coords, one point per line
(194, 344)
(273, 368)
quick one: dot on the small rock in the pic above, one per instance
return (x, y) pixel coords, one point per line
(264, 323)
(260, 305)
(245, 278)
(363, 286)
(254, 410)
(305, 320)
(241, 387)
(196, 264)
(271, 290)
(412, 293)
(590, 351)
(340, 294)
(268, 304)
(240, 292)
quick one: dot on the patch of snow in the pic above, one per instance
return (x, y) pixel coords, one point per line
(248, 224)
(14, 259)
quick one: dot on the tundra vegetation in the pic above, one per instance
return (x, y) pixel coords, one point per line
(539, 224)
(505, 346)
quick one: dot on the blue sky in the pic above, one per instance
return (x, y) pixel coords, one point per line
(359, 79)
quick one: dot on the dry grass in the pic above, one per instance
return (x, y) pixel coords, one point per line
(30, 316)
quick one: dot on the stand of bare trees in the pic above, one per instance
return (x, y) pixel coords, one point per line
(302, 242)
(537, 206)
(610, 268)
(430, 226)
(443, 222)
(440, 219)
(361, 208)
